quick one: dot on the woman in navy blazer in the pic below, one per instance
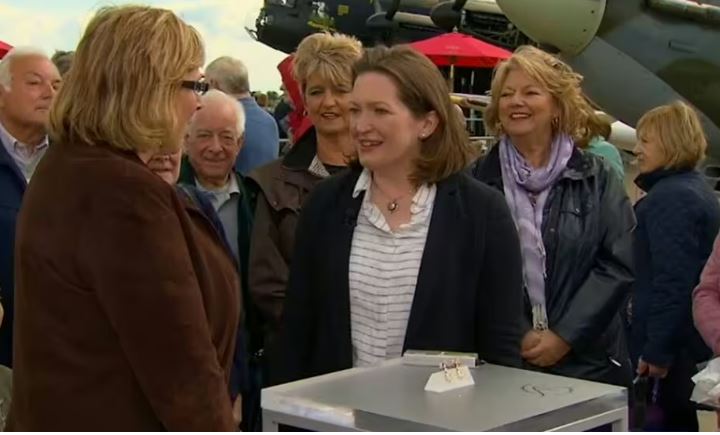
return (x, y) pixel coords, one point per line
(408, 183)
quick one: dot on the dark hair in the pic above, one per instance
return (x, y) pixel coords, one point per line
(63, 61)
(422, 89)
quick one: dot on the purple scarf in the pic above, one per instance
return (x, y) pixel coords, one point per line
(526, 191)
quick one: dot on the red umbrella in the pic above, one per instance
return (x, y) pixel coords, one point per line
(457, 49)
(4, 48)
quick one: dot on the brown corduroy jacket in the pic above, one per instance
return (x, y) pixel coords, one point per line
(282, 186)
(127, 303)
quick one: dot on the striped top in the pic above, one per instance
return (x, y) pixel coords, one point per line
(384, 268)
(317, 168)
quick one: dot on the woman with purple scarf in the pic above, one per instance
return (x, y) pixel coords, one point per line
(572, 214)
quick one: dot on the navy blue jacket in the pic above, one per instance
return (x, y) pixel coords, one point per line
(12, 188)
(677, 223)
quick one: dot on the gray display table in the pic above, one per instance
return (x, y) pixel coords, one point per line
(391, 397)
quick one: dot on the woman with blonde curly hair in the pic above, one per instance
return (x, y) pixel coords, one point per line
(572, 214)
(323, 69)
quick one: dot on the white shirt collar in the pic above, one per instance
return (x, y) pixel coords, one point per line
(229, 188)
(422, 197)
(17, 148)
(363, 183)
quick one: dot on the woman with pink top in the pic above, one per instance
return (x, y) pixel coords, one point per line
(706, 301)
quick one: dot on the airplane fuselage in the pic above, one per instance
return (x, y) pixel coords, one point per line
(641, 54)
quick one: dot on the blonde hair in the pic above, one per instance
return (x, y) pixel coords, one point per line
(329, 55)
(678, 132)
(576, 116)
(126, 75)
(422, 89)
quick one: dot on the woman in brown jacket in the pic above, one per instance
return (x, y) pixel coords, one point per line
(323, 68)
(126, 308)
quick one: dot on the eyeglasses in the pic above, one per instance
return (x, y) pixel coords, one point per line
(198, 86)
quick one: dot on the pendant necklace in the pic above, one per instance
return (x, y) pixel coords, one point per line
(393, 204)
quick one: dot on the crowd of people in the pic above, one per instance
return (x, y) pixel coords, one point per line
(161, 263)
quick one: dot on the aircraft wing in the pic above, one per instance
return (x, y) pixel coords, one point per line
(470, 101)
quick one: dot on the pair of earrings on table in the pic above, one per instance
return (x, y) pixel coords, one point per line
(452, 375)
(455, 366)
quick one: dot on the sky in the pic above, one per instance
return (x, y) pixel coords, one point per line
(59, 24)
